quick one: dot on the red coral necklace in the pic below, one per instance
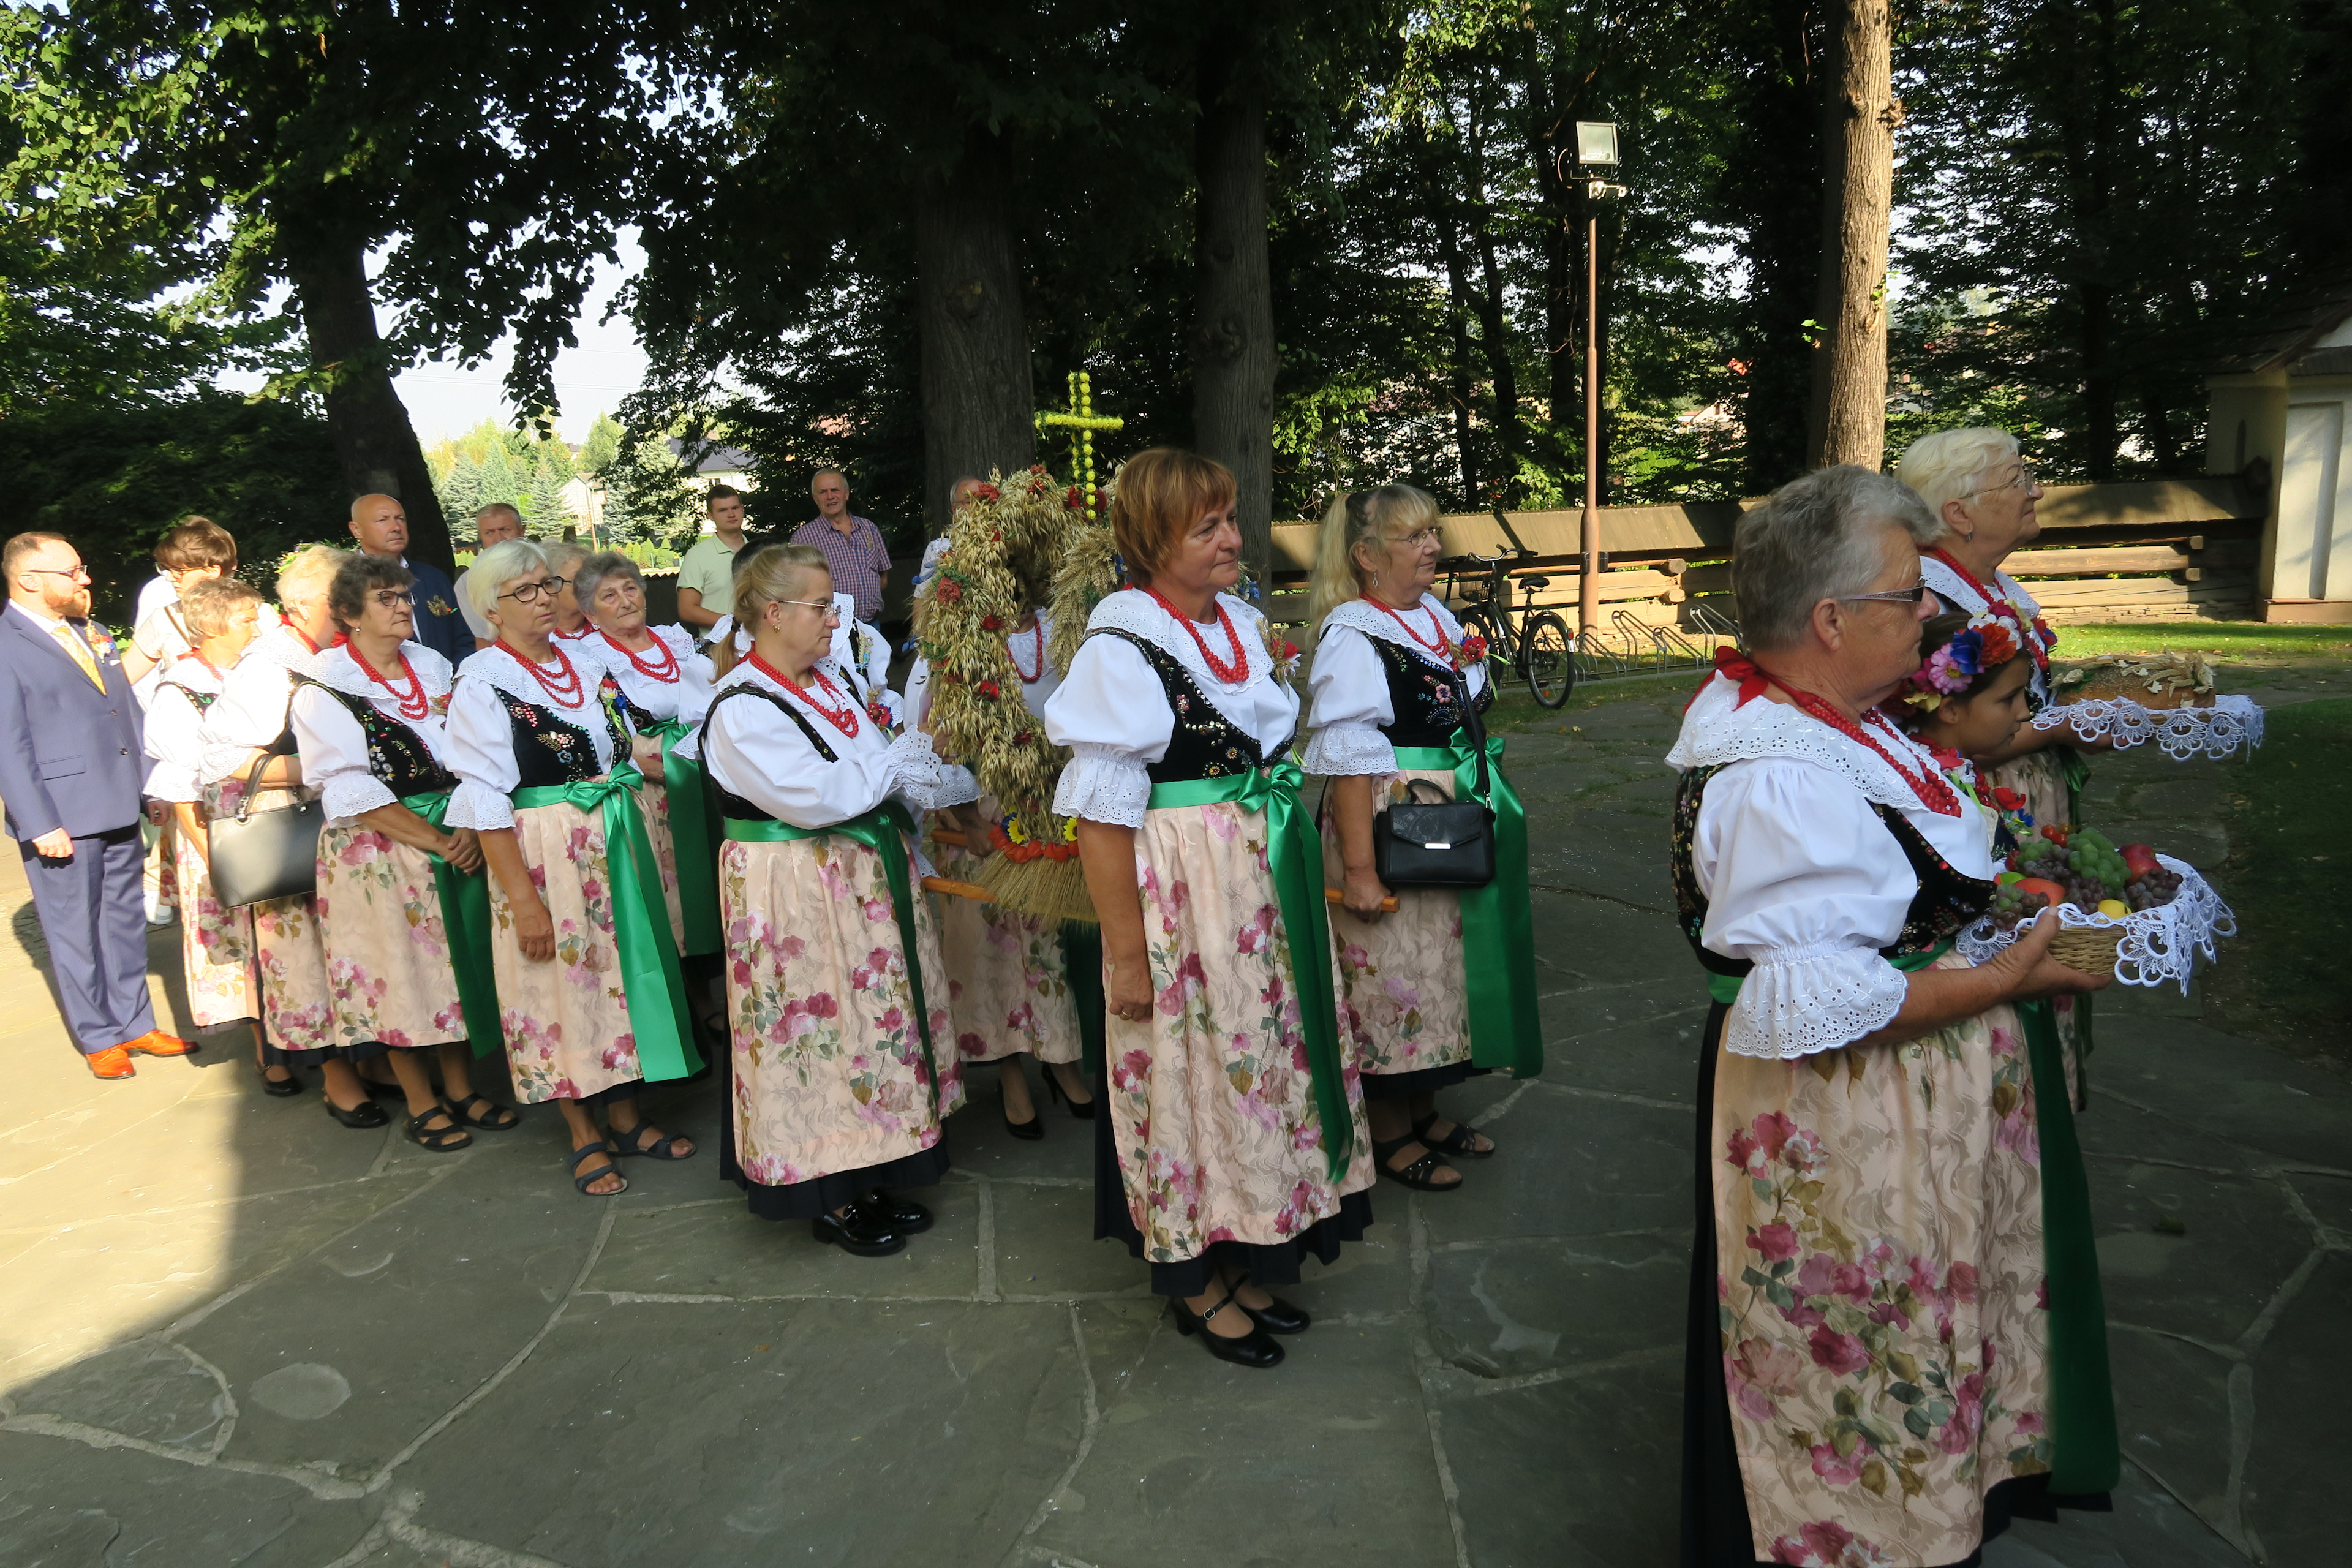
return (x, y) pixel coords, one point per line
(1443, 648)
(843, 718)
(564, 688)
(1232, 671)
(1927, 783)
(1028, 677)
(665, 669)
(414, 704)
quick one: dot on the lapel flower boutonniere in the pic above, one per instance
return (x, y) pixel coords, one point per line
(439, 705)
(438, 605)
(101, 641)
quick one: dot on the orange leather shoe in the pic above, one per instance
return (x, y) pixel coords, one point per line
(156, 1043)
(112, 1062)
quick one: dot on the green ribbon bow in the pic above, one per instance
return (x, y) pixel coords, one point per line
(650, 972)
(466, 923)
(1296, 856)
(1496, 922)
(695, 845)
(885, 830)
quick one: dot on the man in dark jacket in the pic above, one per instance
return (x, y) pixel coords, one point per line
(71, 760)
(381, 525)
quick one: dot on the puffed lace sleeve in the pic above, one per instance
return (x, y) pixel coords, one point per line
(174, 733)
(1348, 695)
(481, 754)
(1803, 878)
(1113, 715)
(335, 756)
(755, 753)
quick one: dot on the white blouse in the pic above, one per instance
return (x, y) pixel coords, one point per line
(175, 731)
(334, 745)
(1349, 687)
(251, 712)
(684, 697)
(1953, 589)
(481, 736)
(1800, 875)
(1027, 651)
(755, 753)
(1113, 713)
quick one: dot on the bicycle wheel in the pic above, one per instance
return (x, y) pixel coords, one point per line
(1550, 667)
(1477, 621)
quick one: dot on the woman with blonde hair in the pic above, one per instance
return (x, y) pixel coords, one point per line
(1395, 693)
(590, 1000)
(1232, 1142)
(841, 1064)
(249, 744)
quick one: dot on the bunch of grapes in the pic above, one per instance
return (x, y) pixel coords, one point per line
(2009, 906)
(2149, 888)
(2096, 872)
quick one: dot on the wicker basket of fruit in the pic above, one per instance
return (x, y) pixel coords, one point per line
(2144, 917)
(2167, 697)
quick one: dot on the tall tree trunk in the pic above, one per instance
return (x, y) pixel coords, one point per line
(2092, 165)
(1849, 420)
(979, 411)
(1233, 359)
(1552, 95)
(1458, 323)
(1771, 188)
(1493, 326)
(369, 425)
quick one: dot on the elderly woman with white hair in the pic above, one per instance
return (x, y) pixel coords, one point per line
(590, 1000)
(1868, 1369)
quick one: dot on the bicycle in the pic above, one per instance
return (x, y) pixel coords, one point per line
(1521, 640)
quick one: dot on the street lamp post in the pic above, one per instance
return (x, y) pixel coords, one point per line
(1596, 151)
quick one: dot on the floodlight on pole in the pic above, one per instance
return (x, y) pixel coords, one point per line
(1596, 151)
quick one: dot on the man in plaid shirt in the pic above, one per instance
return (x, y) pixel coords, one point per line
(853, 546)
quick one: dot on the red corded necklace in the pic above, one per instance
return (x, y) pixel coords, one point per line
(1443, 648)
(2033, 644)
(844, 718)
(665, 671)
(415, 704)
(200, 658)
(1232, 671)
(565, 688)
(1031, 677)
(297, 631)
(1928, 784)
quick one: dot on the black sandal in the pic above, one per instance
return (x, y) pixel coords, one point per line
(582, 1182)
(438, 1139)
(1456, 1142)
(1418, 1174)
(631, 1143)
(487, 1122)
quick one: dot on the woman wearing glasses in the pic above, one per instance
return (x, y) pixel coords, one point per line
(841, 1062)
(1389, 681)
(369, 721)
(591, 1003)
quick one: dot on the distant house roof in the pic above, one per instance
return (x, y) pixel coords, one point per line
(718, 459)
(2285, 335)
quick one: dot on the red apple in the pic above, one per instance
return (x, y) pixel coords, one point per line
(2140, 859)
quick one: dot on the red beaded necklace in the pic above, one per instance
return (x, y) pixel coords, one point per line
(1029, 677)
(1232, 671)
(287, 622)
(1993, 600)
(844, 718)
(665, 671)
(564, 688)
(1927, 783)
(414, 704)
(1443, 648)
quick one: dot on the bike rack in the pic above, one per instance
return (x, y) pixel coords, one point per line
(1713, 622)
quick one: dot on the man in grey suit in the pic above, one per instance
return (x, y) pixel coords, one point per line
(71, 761)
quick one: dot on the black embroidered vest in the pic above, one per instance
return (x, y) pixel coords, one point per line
(550, 749)
(732, 804)
(1947, 901)
(199, 701)
(397, 755)
(1205, 744)
(1424, 699)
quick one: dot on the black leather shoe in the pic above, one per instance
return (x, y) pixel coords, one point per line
(1278, 1316)
(1084, 1109)
(903, 1215)
(856, 1230)
(366, 1113)
(285, 1087)
(1251, 1349)
(1028, 1131)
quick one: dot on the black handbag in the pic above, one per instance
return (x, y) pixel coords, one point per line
(1439, 843)
(273, 853)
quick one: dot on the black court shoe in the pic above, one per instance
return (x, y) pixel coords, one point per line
(858, 1230)
(1277, 1316)
(1251, 1349)
(903, 1215)
(1033, 1129)
(1084, 1109)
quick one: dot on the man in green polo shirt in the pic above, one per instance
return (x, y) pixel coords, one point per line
(705, 574)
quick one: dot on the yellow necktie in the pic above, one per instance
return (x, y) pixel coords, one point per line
(79, 651)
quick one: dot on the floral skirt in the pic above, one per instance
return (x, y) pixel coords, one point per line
(216, 948)
(388, 965)
(1007, 974)
(1402, 988)
(2041, 778)
(1868, 1337)
(829, 1071)
(1211, 1107)
(565, 1021)
(653, 801)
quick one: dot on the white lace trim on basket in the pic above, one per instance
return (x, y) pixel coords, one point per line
(2166, 942)
(2233, 723)
(1806, 1000)
(1714, 732)
(1348, 751)
(1102, 784)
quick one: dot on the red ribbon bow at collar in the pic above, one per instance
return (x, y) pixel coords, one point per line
(1737, 665)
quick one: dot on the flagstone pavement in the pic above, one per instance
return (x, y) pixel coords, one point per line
(232, 1331)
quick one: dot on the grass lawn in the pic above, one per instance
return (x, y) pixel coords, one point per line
(2291, 837)
(2251, 641)
(1516, 712)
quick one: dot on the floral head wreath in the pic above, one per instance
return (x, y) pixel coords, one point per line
(1990, 640)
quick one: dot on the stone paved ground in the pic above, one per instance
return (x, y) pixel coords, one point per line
(233, 1333)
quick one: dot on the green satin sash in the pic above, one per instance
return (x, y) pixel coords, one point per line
(650, 972)
(695, 845)
(1295, 856)
(1496, 922)
(884, 830)
(466, 923)
(1725, 988)
(2086, 1454)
